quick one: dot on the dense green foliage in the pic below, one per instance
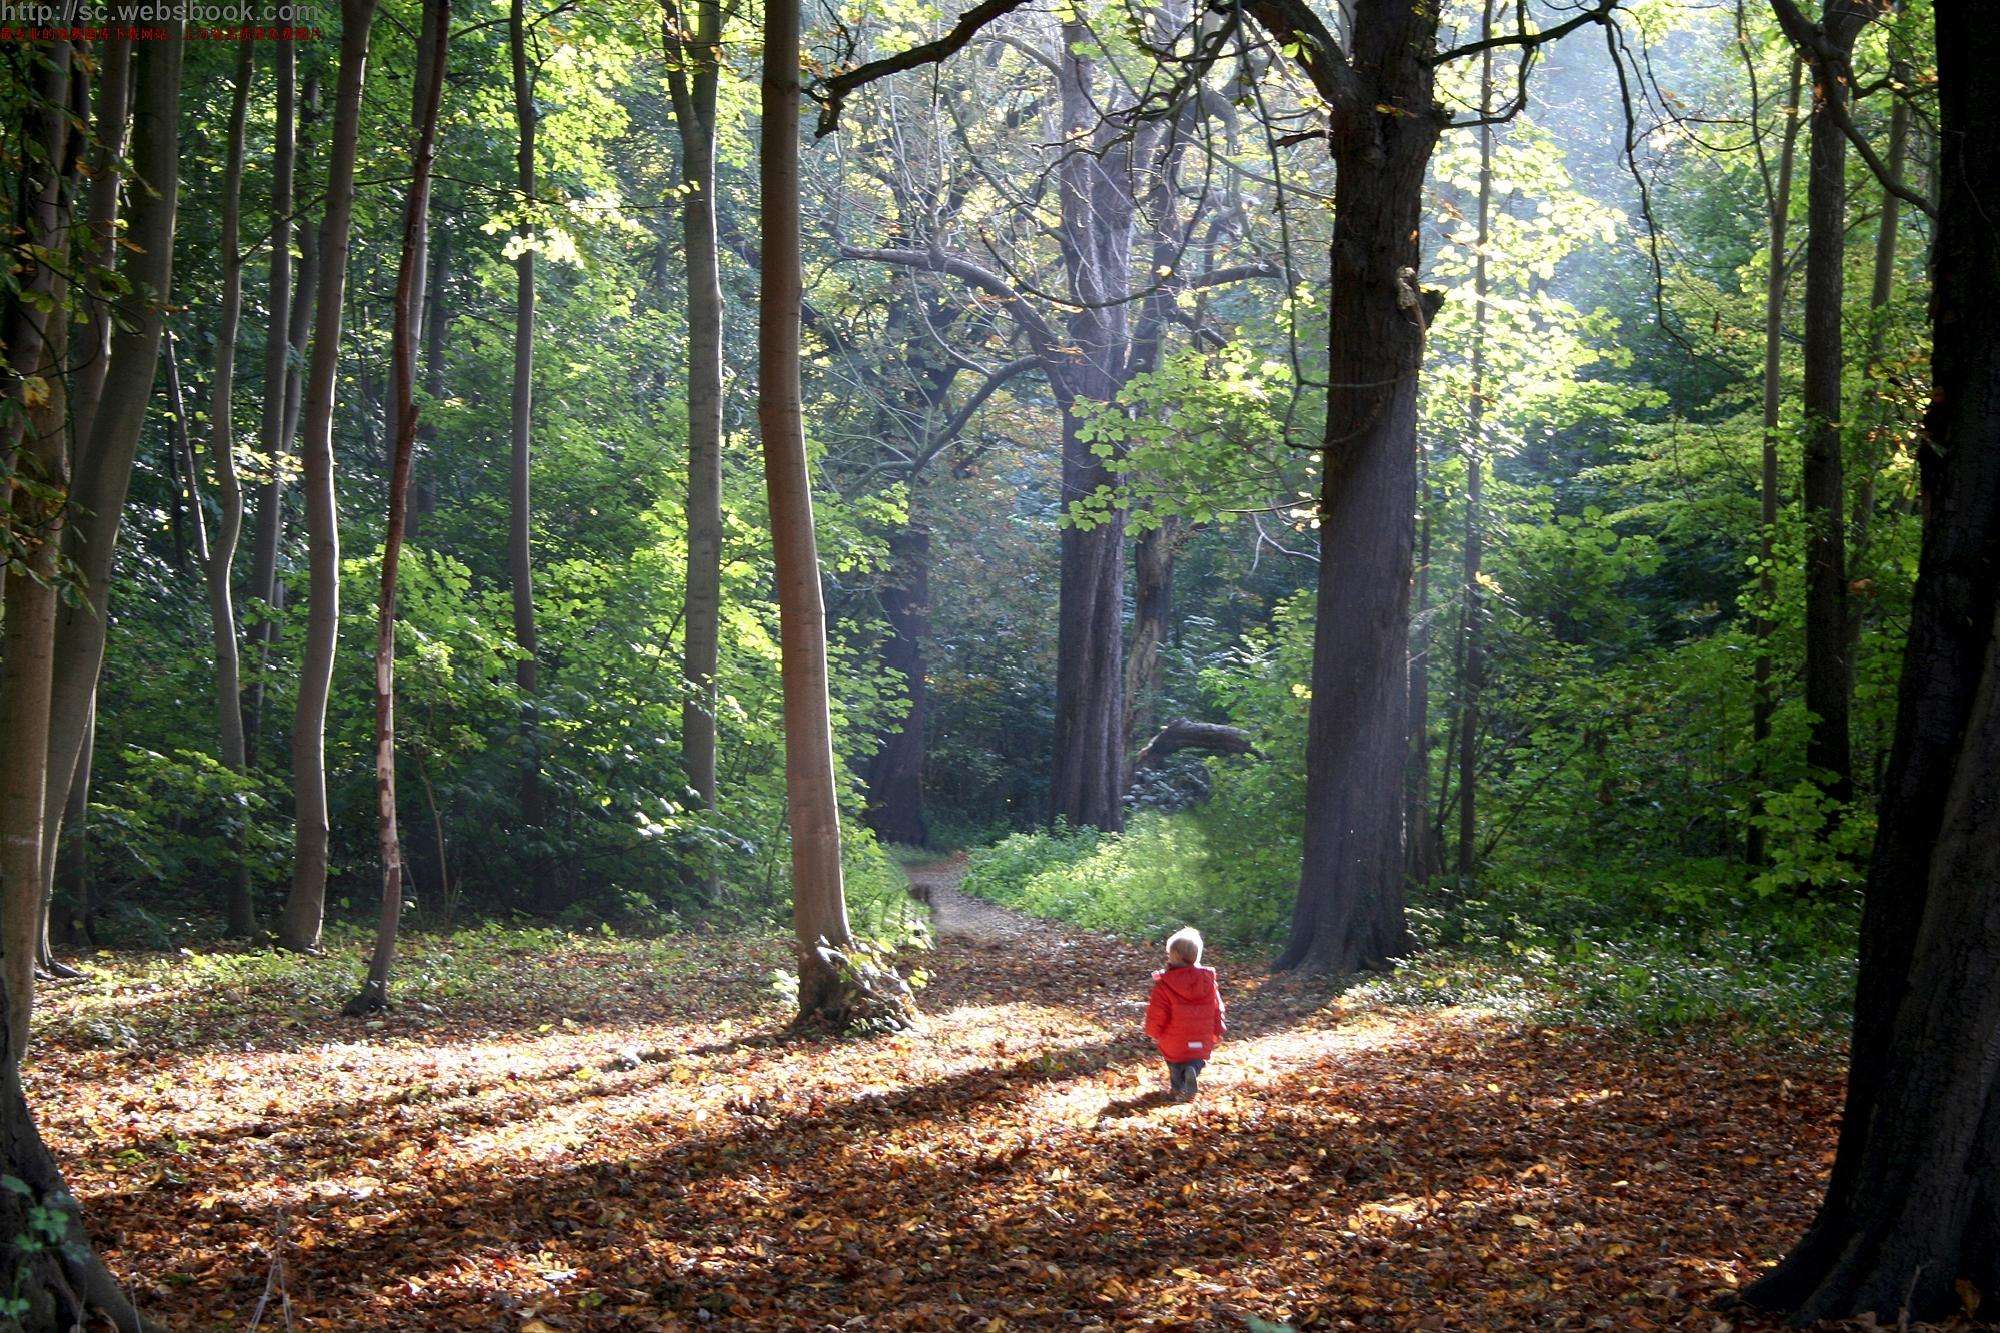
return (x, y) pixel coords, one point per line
(1618, 593)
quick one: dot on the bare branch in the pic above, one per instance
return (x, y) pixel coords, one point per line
(833, 93)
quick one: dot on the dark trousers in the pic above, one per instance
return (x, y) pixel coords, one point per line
(1181, 1075)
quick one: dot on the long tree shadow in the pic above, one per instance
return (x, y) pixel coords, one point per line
(759, 1134)
(634, 1057)
(916, 1206)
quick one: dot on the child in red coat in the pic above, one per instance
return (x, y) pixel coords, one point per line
(1184, 1016)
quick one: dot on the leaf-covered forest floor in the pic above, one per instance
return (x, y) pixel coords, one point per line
(566, 1132)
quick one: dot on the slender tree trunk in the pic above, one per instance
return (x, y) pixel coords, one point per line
(436, 321)
(278, 375)
(1472, 667)
(1350, 907)
(1877, 417)
(1420, 850)
(1763, 698)
(896, 772)
(1913, 1208)
(73, 881)
(305, 906)
(113, 114)
(431, 59)
(1822, 491)
(1153, 602)
(520, 536)
(834, 989)
(693, 69)
(221, 554)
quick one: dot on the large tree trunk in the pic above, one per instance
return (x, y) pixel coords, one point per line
(1087, 778)
(693, 71)
(896, 772)
(1822, 491)
(61, 1285)
(221, 555)
(1913, 1207)
(520, 513)
(305, 906)
(834, 988)
(102, 471)
(1349, 911)
(37, 479)
(431, 53)
(1763, 693)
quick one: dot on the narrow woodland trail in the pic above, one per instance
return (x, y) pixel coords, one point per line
(609, 1135)
(964, 918)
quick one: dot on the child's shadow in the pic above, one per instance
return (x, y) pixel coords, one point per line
(1145, 1101)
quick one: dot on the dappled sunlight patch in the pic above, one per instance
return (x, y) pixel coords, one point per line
(646, 1164)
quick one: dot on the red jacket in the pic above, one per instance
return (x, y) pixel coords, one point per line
(1184, 1016)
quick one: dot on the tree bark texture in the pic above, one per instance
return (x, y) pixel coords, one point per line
(520, 511)
(404, 338)
(1913, 1207)
(305, 906)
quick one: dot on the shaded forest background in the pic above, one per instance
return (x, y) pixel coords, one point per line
(1615, 607)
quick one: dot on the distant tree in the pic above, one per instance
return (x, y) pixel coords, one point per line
(694, 70)
(220, 557)
(520, 501)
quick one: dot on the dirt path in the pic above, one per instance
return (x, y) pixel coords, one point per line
(960, 916)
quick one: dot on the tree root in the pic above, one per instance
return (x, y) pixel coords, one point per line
(851, 991)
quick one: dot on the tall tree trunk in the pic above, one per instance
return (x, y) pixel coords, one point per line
(693, 66)
(1153, 603)
(431, 59)
(221, 554)
(1350, 907)
(1913, 1208)
(436, 322)
(112, 116)
(73, 882)
(520, 514)
(278, 376)
(1420, 851)
(1087, 776)
(305, 906)
(1471, 663)
(61, 1285)
(896, 771)
(102, 471)
(36, 416)
(1822, 490)
(1763, 697)
(833, 988)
